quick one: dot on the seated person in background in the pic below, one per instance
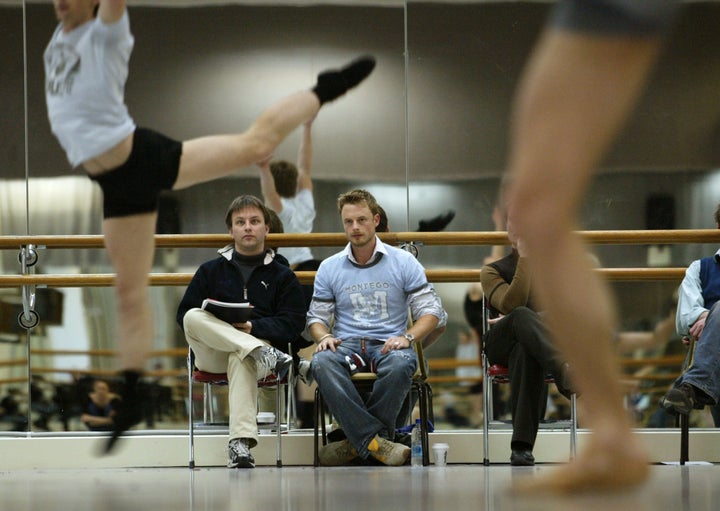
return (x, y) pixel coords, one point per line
(10, 410)
(364, 293)
(518, 339)
(246, 271)
(288, 190)
(99, 412)
(472, 306)
(698, 318)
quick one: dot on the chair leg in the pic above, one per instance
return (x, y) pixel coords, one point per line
(278, 422)
(316, 432)
(684, 438)
(573, 426)
(422, 390)
(487, 410)
(191, 431)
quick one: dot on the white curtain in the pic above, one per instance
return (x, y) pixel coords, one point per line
(49, 206)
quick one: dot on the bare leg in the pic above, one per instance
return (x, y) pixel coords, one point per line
(130, 244)
(211, 157)
(208, 158)
(576, 93)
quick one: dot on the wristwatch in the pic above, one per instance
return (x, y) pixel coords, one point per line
(410, 337)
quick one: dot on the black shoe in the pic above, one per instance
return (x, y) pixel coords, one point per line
(129, 410)
(334, 83)
(680, 400)
(522, 458)
(437, 223)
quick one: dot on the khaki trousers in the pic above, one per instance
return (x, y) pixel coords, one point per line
(220, 348)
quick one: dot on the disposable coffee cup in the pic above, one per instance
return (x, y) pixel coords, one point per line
(440, 452)
(265, 421)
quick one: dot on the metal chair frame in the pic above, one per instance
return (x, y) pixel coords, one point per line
(208, 380)
(364, 382)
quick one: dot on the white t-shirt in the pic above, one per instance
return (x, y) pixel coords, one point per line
(85, 74)
(297, 216)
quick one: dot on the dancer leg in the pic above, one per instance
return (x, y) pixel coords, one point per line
(211, 157)
(575, 95)
(130, 244)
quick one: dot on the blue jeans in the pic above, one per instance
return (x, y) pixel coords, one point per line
(705, 371)
(361, 420)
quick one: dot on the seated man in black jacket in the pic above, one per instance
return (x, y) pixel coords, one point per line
(246, 271)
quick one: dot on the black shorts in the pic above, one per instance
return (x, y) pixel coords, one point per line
(134, 187)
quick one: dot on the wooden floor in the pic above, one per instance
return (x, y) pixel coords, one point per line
(453, 488)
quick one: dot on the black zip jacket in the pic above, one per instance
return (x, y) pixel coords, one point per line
(273, 289)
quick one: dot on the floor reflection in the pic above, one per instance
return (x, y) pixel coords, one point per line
(688, 488)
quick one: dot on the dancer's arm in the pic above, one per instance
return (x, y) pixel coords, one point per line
(304, 161)
(267, 186)
(111, 10)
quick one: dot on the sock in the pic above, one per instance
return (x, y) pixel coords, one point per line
(521, 446)
(129, 410)
(333, 84)
(257, 353)
(374, 445)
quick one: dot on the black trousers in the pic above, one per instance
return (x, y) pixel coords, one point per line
(520, 342)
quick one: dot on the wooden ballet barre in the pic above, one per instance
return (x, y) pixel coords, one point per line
(445, 364)
(8, 381)
(612, 237)
(671, 360)
(107, 373)
(307, 277)
(171, 352)
(15, 362)
(453, 379)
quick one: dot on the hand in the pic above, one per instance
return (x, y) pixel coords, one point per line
(395, 343)
(697, 328)
(328, 343)
(243, 327)
(492, 321)
(265, 163)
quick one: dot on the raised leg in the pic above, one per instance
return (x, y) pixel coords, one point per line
(211, 157)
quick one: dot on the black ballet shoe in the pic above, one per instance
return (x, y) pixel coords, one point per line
(437, 223)
(334, 83)
(129, 410)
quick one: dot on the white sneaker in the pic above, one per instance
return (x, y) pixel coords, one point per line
(272, 361)
(239, 454)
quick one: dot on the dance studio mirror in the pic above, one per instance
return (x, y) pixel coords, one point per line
(426, 134)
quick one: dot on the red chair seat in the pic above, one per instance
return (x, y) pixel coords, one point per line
(213, 378)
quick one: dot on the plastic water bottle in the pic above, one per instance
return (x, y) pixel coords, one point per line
(416, 452)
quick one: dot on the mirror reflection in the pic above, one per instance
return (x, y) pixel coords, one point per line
(463, 61)
(14, 400)
(197, 85)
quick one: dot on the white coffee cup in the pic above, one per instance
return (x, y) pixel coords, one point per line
(440, 452)
(265, 421)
